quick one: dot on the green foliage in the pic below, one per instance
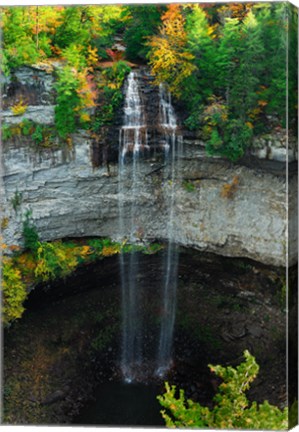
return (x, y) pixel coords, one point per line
(153, 248)
(111, 96)
(30, 234)
(117, 73)
(67, 101)
(143, 21)
(293, 417)
(6, 132)
(37, 135)
(16, 201)
(189, 186)
(74, 54)
(52, 261)
(44, 261)
(41, 135)
(13, 292)
(27, 127)
(74, 28)
(18, 40)
(231, 410)
(235, 54)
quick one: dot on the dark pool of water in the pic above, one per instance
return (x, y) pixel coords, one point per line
(122, 404)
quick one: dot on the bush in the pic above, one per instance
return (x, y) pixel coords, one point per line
(13, 291)
(68, 101)
(6, 132)
(19, 109)
(52, 261)
(231, 410)
(30, 235)
(38, 135)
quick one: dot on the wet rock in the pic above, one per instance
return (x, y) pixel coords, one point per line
(234, 333)
(54, 397)
(254, 330)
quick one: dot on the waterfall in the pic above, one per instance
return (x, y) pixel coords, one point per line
(173, 151)
(133, 143)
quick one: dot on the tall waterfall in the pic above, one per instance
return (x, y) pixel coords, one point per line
(130, 144)
(133, 143)
(173, 150)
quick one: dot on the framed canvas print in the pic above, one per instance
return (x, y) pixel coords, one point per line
(149, 215)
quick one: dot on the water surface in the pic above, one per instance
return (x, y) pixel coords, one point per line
(118, 403)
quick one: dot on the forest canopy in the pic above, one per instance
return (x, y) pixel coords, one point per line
(225, 64)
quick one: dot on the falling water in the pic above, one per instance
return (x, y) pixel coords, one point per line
(173, 149)
(131, 143)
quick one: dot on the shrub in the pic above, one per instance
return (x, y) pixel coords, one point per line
(188, 186)
(68, 101)
(231, 410)
(37, 135)
(30, 235)
(27, 127)
(13, 291)
(6, 132)
(19, 109)
(16, 201)
(52, 261)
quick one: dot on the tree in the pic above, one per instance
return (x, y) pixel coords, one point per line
(18, 42)
(142, 22)
(68, 101)
(274, 21)
(201, 42)
(169, 58)
(231, 410)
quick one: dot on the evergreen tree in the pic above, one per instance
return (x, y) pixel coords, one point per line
(142, 22)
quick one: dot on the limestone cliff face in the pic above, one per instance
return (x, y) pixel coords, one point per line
(72, 196)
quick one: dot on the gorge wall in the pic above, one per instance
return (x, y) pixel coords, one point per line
(71, 197)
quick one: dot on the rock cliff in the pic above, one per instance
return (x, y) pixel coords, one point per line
(70, 196)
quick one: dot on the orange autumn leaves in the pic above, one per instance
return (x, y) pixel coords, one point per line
(170, 60)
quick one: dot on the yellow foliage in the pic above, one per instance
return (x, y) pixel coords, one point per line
(16, 130)
(19, 109)
(85, 91)
(69, 142)
(85, 250)
(84, 117)
(249, 124)
(255, 112)
(110, 250)
(112, 85)
(4, 223)
(13, 291)
(92, 57)
(170, 60)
